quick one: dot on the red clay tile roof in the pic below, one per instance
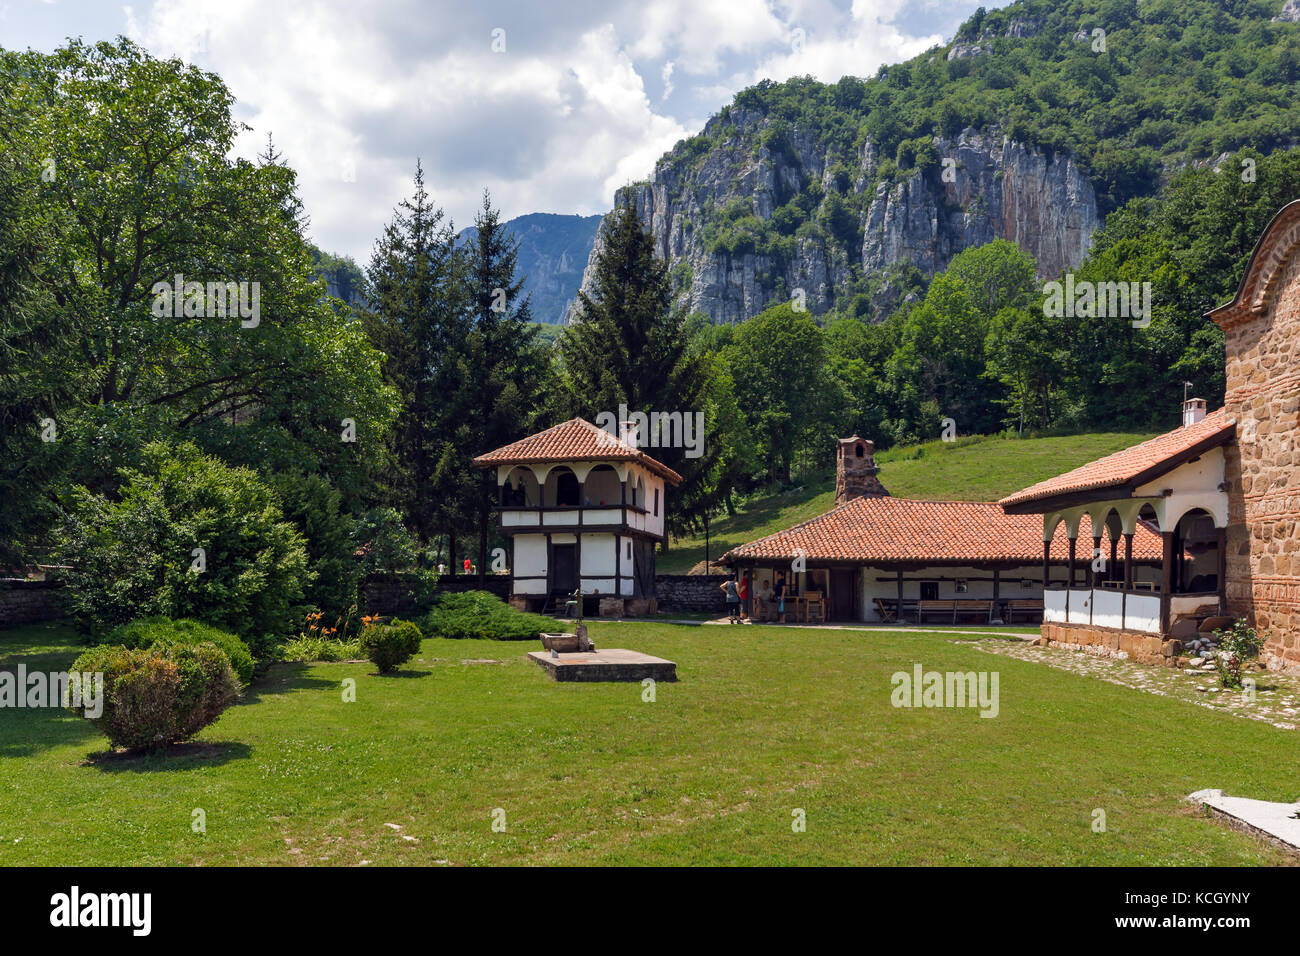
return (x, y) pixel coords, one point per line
(574, 440)
(883, 528)
(1135, 465)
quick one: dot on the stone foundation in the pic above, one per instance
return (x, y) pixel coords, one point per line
(1150, 649)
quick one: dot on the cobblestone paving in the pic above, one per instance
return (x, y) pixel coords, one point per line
(1276, 700)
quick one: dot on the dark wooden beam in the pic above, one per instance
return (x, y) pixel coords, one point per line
(1222, 539)
(1166, 580)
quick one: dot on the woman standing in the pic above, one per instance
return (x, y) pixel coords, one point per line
(733, 599)
(744, 599)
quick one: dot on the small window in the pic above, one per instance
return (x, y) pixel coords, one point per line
(656, 502)
(859, 451)
(629, 550)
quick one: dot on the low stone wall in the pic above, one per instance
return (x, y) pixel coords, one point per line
(1150, 649)
(699, 593)
(388, 594)
(30, 602)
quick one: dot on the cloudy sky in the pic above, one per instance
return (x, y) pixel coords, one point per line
(550, 105)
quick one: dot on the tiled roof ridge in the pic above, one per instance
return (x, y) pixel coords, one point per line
(1210, 426)
(610, 447)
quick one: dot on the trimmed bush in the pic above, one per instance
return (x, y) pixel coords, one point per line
(147, 631)
(132, 553)
(390, 645)
(159, 695)
(479, 614)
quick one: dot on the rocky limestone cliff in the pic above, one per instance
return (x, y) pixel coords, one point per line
(999, 189)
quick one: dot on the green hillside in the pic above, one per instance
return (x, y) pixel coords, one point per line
(978, 468)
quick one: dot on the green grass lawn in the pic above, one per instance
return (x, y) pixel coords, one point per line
(977, 468)
(763, 721)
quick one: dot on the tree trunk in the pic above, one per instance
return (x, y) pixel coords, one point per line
(482, 543)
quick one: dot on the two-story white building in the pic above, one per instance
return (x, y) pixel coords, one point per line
(583, 509)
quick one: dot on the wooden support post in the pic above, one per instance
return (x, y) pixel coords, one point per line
(1069, 581)
(1222, 570)
(1112, 573)
(997, 594)
(1092, 573)
(1166, 581)
(1047, 557)
(900, 596)
(1128, 579)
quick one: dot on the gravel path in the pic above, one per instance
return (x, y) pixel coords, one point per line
(1276, 699)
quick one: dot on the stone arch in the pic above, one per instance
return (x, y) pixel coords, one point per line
(1213, 505)
(1196, 552)
(602, 486)
(520, 487)
(1265, 267)
(562, 488)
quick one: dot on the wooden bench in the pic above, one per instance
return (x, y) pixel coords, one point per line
(947, 608)
(1032, 610)
(977, 608)
(954, 610)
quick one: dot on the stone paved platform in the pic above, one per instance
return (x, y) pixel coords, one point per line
(1276, 820)
(610, 664)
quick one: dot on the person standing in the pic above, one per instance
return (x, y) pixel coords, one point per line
(744, 599)
(733, 599)
(778, 594)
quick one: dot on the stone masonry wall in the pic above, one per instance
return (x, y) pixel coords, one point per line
(389, 594)
(699, 593)
(1147, 649)
(1263, 465)
(30, 602)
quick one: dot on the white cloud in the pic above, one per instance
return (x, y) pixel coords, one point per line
(555, 123)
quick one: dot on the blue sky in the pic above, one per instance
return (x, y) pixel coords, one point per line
(551, 106)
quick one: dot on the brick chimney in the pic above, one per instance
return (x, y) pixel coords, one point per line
(855, 470)
(1193, 411)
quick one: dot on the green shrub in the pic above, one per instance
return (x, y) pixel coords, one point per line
(331, 537)
(148, 631)
(479, 614)
(159, 695)
(390, 645)
(1238, 644)
(308, 648)
(133, 554)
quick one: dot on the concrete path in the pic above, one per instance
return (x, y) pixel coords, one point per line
(1280, 821)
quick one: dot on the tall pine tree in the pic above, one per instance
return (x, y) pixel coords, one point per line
(420, 317)
(628, 343)
(509, 366)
